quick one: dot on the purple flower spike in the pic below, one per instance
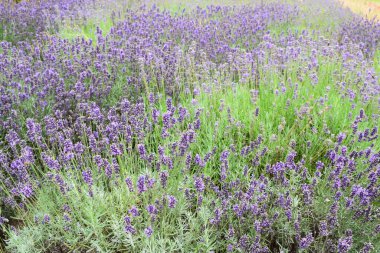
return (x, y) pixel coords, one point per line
(115, 150)
(148, 231)
(172, 201)
(199, 184)
(87, 177)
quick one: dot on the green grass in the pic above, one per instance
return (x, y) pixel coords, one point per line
(87, 30)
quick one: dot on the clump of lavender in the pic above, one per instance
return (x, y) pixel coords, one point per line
(205, 124)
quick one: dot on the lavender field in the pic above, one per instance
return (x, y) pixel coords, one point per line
(178, 126)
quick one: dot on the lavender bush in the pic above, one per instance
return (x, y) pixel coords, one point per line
(217, 129)
(26, 20)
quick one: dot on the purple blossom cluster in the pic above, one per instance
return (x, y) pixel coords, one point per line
(363, 31)
(25, 20)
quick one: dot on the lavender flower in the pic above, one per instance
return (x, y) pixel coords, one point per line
(172, 201)
(142, 151)
(306, 241)
(50, 162)
(134, 211)
(115, 150)
(152, 210)
(129, 229)
(344, 244)
(164, 177)
(199, 184)
(129, 183)
(368, 247)
(3, 220)
(46, 219)
(87, 177)
(141, 187)
(323, 228)
(148, 231)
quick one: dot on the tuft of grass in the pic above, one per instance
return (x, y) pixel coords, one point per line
(86, 30)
